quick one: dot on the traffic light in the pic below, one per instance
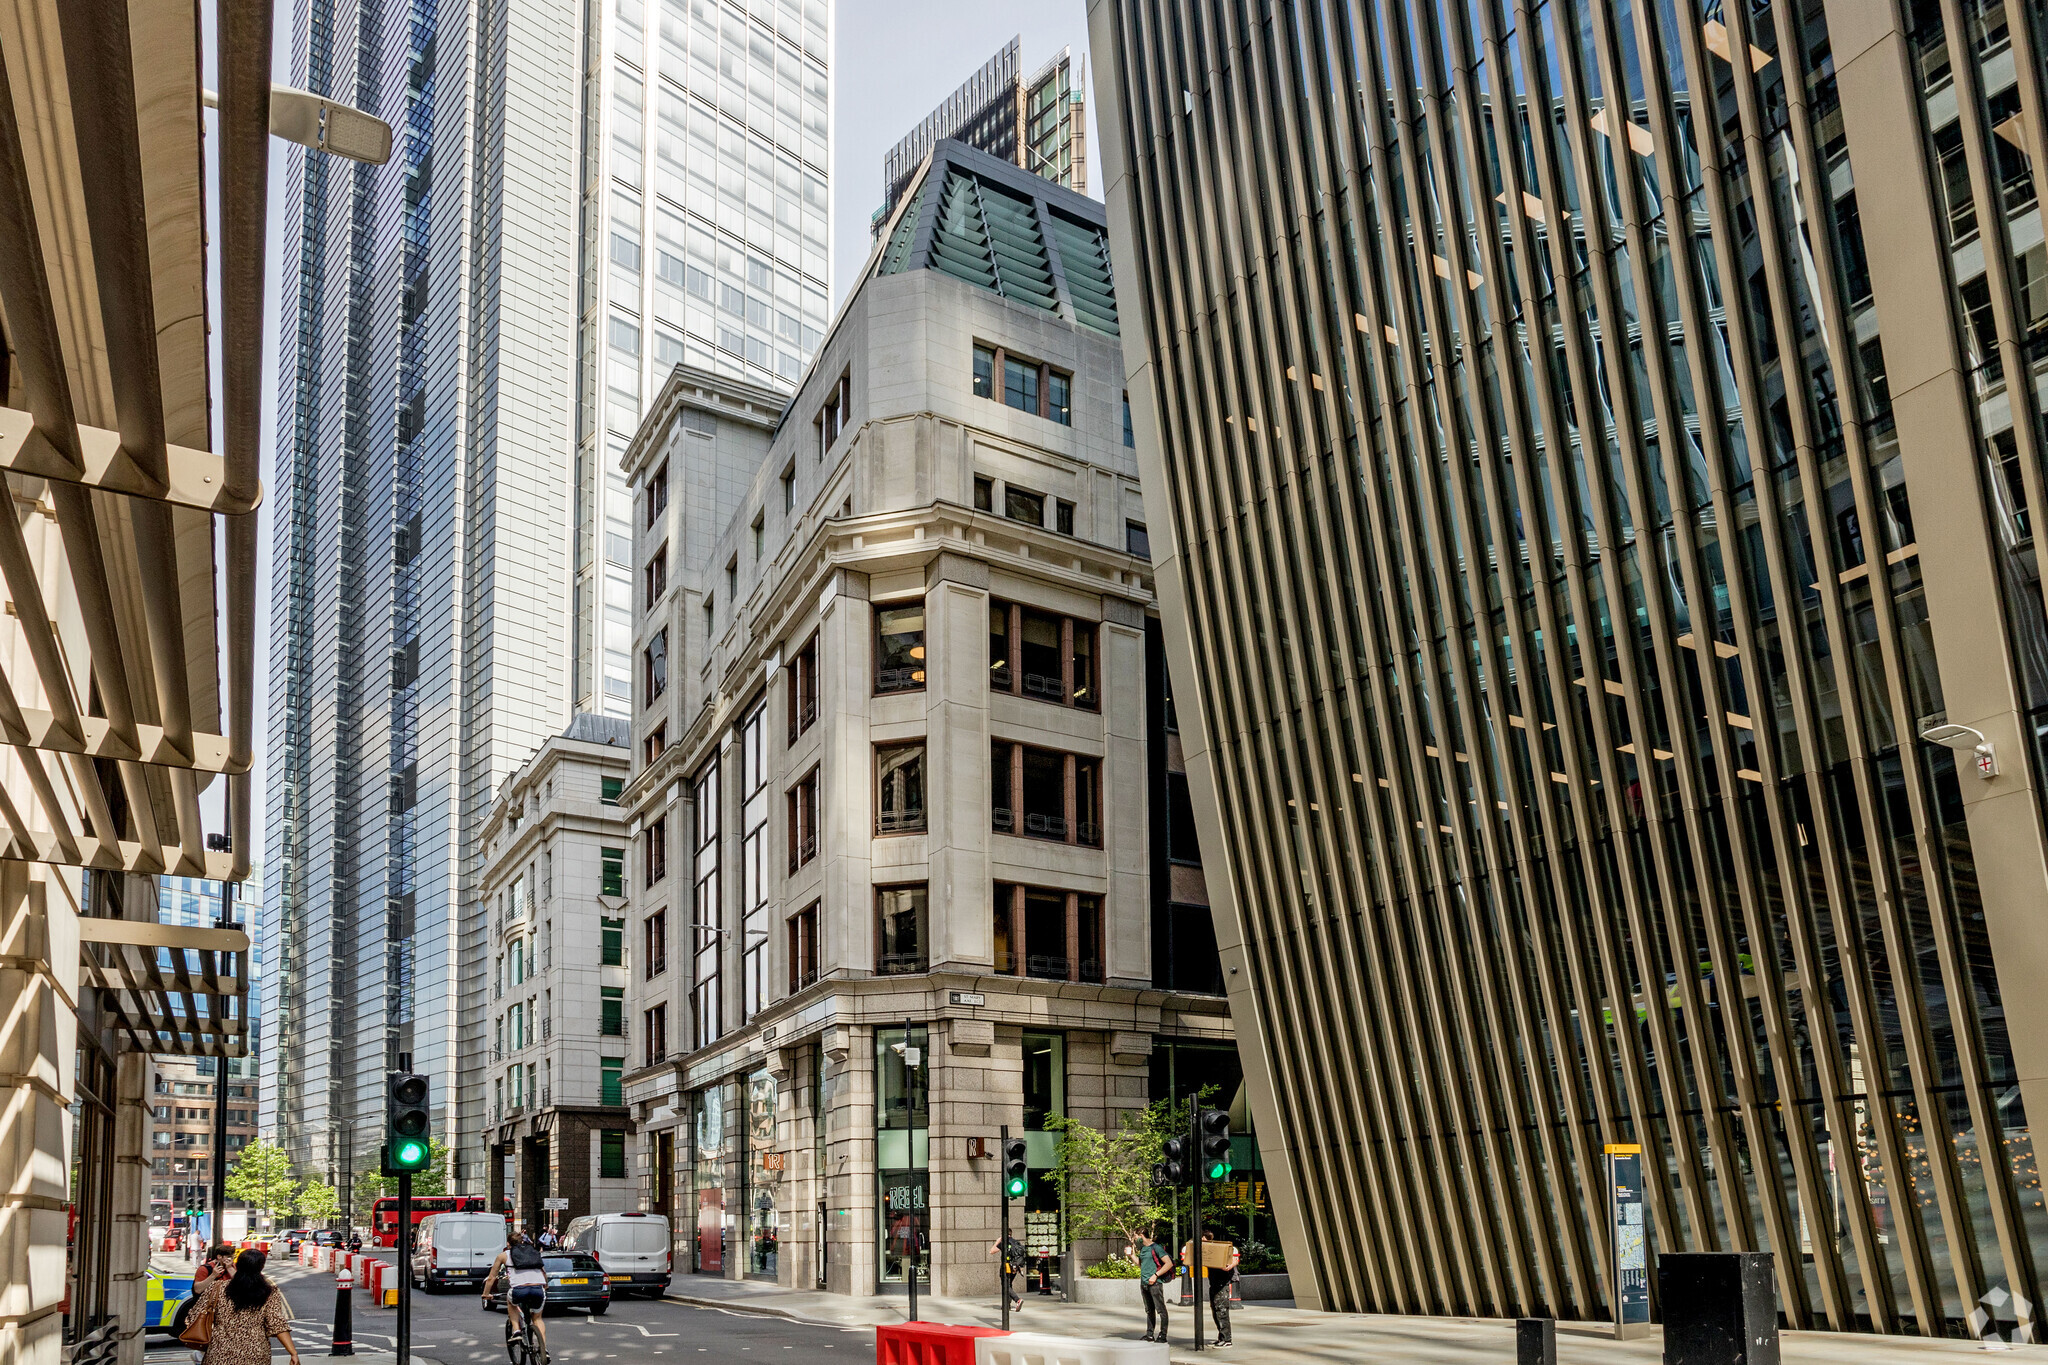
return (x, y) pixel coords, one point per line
(1214, 1126)
(407, 1147)
(1174, 1168)
(1016, 1170)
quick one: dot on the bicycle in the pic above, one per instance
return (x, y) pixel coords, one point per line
(523, 1347)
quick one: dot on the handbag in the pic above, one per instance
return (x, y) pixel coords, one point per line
(199, 1331)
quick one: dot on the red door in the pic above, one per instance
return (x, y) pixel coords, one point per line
(711, 1231)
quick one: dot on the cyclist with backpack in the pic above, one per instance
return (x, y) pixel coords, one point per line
(526, 1275)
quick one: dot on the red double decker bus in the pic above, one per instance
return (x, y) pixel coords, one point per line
(384, 1213)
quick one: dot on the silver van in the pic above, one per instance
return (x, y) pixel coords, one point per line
(451, 1250)
(632, 1247)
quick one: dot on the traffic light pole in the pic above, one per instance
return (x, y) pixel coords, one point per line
(220, 1099)
(1003, 1242)
(404, 1345)
(1198, 1270)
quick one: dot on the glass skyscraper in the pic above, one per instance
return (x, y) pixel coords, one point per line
(1591, 448)
(706, 154)
(578, 197)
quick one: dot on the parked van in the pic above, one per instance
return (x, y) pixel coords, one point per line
(632, 1247)
(456, 1249)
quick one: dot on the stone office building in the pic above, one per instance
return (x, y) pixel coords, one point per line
(902, 781)
(553, 893)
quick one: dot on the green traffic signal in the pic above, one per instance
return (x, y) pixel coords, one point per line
(1214, 1127)
(409, 1155)
(1015, 1189)
(1016, 1168)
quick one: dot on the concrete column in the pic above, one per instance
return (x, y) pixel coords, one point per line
(38, 1038)
(1126, 830)
(128, 1256)
(850, 1155)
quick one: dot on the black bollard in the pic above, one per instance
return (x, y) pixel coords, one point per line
(344, 1328)
(1535, 1341)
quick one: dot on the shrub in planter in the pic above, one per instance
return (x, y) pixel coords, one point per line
(1115, 1268)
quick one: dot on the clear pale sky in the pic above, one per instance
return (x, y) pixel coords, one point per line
(893, 60)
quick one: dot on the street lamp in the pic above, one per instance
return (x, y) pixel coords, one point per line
(1964, 740)
(324, 125)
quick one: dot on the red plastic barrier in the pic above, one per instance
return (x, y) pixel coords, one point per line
(929, 1343)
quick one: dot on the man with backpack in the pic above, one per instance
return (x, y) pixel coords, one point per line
(1013, 1254)
(1155, 1268)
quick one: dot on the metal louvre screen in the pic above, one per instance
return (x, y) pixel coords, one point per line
(1573, 597)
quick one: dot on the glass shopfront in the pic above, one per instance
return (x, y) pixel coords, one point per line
(902, 1154)
(764, 1167)
(707, 1123)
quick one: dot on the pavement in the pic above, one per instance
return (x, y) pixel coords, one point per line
(717, 1320)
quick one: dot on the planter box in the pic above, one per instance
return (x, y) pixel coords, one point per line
(1104, 1292)
(1252, 1287)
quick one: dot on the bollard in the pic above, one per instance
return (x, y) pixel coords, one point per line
(1535, 1341)
(344, 1329)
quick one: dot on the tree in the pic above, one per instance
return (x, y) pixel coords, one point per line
(317, 1202)
(1106, 1178)
(262, 1178)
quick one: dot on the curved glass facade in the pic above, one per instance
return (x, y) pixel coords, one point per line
(1590, 626)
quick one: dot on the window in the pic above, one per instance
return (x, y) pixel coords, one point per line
(899, 782)
(654, 667)
(1059, 397)
(803, 948)
(1063, 517)
(1136, 541)
(789, 487)
(654, 578)
(984, 372)
(901, 932)
(984, 493)
(1045, 1078)
(803, 689)
(1049, 934)
(760, 529)
(611, 942)
(755, 798)
(707, 909)
(1020, 384)
(654, 1031)
(1021, 504)
(1180, 822)
(899, 648)
(803, 821)
(1045, 794)
(611, 1019)
(609, 789)
(656, 741)
(833, 418)
(1130, 437)
(1035, 653)
(655, 850)
(610, 1070)
(657, 494)
(732, 579)
(710, 620)
(655, 927)
(611, 872)
(611, 1154)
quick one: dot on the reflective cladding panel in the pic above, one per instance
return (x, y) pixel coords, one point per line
(1564, 573)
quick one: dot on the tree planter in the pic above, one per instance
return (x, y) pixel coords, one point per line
(1265, 1287)
(1104, 1292)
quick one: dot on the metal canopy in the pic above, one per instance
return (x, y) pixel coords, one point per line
(170, 989)
(120, 621)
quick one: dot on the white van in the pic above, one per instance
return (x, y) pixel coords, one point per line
(455, 1249)
(633, 1248)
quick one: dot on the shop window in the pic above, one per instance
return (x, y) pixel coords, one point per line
(899, 648)
(611, 1154)
(803, 689)
(900, 911)
(899, 788)
(1048, 934)
(803, 821)
(803, 948)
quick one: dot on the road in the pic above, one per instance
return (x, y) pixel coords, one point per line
(452, 1329)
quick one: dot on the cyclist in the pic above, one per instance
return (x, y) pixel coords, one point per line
(527, 1279)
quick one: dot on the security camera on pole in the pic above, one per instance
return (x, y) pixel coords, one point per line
(408, 1147)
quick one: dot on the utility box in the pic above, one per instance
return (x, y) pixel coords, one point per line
(1719, 1308)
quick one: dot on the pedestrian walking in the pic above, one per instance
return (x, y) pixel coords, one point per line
(1155, 1268)
(1013, 1254)
(1219, 1262)
(247, 1311)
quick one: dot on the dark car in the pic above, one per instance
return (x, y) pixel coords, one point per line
(575, 1280)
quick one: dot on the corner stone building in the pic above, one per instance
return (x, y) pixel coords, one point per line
(901, 762)
(553, 895)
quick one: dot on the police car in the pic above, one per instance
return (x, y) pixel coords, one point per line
(163, 1294)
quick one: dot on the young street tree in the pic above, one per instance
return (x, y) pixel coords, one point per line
(317, 1202)
(262, 1178)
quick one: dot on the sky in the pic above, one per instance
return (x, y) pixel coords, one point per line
(892, 62)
